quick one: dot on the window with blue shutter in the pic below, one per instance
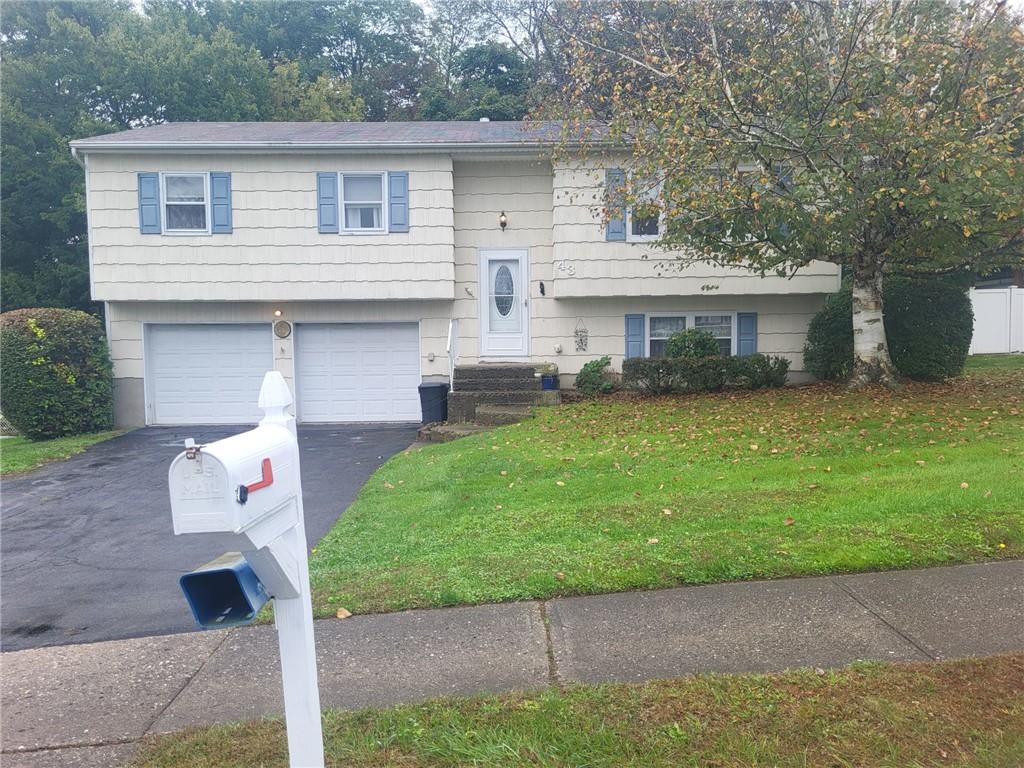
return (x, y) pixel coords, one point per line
(635, 336)
(746, 334)
(615, 229)
(149, 203)
(220, 203)
(327, 202)
(398, 201)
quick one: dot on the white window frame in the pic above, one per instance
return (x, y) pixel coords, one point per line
(165, 228)
(342, 229)
(631, 238)
(690, 325)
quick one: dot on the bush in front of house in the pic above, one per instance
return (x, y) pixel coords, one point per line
(594, 378)
(928, 324)
(692, 343)
(56, 377)
(663, 375)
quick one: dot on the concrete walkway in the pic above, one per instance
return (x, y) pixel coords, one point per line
(86, 705)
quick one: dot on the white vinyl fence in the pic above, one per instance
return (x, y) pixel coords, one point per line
(998, 320)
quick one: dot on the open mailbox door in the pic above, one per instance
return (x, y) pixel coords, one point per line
(249, 487)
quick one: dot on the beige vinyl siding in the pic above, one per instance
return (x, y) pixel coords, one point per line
(275, 251)
(482, 190)
(585, 265)
(781, 324)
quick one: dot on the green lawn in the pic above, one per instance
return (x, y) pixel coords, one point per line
(966, 713)
(614, 495)
(19, 454)
(986, 363)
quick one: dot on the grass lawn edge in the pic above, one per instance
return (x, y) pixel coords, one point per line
(964, 713)
(30, 455)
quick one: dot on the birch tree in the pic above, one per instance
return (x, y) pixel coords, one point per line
(882, 136)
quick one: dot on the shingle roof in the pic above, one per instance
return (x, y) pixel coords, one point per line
(463, 134)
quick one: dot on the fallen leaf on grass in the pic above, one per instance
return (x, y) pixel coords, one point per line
(964, 486)
(559, 482)
(560, 576)
(343, 613)
(652, 541)
(788, 521)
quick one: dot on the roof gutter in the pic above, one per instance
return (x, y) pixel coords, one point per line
(275, 146)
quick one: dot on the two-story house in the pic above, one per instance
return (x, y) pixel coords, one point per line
(361, 258)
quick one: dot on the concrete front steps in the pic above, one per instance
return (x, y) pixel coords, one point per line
(491, 395)
(498, 393)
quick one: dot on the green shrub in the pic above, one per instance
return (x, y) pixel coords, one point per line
(692, 343)
(593, 378)
(56, 377)
(758, 371)
(659, 376)
(828, 353)
(928, 324)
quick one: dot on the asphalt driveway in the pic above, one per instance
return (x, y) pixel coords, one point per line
(87, 548)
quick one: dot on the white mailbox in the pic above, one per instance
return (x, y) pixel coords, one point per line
(249, 487)
(236, 484)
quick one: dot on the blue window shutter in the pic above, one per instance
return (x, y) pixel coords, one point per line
(220, 203)
(149, 203)
(615, 229)
(398, 201)
(327, 202)
(746, 333)
(635, 336)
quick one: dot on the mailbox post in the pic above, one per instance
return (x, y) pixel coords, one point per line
(249, 486)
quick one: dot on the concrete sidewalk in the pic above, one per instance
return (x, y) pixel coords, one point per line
(86, 705)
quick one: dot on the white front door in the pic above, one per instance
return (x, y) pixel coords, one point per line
(504, 304)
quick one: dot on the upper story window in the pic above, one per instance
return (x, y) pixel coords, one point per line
(186, 202)
(362, 200)
(643, 220)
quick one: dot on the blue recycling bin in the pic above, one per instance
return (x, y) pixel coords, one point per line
(224, 593)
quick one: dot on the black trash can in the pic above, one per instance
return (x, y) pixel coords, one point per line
(434, 401)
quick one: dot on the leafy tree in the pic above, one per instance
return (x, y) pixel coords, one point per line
(882, 137)
(491, 80)
(454, 25)
(327, 98)
(80, 69)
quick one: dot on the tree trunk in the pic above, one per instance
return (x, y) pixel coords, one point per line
(871, 360)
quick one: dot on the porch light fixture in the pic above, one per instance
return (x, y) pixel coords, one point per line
(278, 313)
(502, 221)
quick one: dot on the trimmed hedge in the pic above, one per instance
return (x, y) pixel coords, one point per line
(692, 343)
(56, 377)
(928, 324)
(662, 375)
(593, 378)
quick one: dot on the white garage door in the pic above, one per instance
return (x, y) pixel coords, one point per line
(357, 372)
(206, 374)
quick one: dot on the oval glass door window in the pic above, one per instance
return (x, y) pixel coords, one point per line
(504, 290)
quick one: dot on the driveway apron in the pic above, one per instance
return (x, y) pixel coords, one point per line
(88, 552)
